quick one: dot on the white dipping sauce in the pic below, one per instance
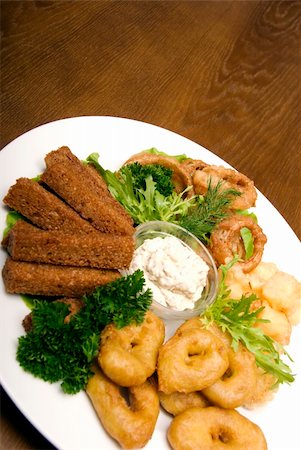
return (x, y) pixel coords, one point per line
(173, 271)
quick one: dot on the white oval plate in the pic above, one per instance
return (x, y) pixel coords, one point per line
(69, 422)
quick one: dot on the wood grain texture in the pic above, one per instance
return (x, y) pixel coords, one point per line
(224, 74)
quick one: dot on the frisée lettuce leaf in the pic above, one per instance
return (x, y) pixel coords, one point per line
(147, 204)
(237, 317)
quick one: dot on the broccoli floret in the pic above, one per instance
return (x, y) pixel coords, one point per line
(161, 175)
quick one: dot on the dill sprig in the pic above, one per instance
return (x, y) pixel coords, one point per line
(238, 318)
(213, 207)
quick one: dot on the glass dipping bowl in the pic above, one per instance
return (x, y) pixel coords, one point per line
(150, 230)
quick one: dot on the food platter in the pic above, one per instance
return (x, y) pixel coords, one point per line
(69, 422)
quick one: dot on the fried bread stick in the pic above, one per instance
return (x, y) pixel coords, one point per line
(99, 250)
(64, 154)
(100, 184)
(50, 280)
(73, 182)
(43, 208)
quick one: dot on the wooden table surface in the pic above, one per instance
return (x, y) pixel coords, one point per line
(224, 74)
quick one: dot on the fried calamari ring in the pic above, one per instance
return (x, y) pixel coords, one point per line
(265, 388)
(190, 361)
(191, 165)
(214, 428)
(181, 177)
(194, 322)
(226, 241)
(178, 402)
(128, 356)
(238, 382)
(231, 180)
(130, 423)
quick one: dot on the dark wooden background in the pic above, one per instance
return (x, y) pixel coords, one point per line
(224, 74)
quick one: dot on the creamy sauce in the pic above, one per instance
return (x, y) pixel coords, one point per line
(173, 271)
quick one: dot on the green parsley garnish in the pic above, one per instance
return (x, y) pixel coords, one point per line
(56, 351)
(161, 175)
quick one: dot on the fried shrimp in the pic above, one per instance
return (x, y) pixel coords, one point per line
(231, 180)
(128, 356)
(240, 283)
(283, 293)
(178, 402)
(226, 241)
(191, 360)
(277, 326)
(181, 177)
(214, 428)
(131, 422)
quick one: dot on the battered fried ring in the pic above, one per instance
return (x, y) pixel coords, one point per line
(265, 388)
(231, 180)
(178, 402)
(196, 322)
(128, 356)
(130, 423)
(181, 177)
(226, 241)
(191, 360)
(238, 382)
(214, 428)
(191, 165)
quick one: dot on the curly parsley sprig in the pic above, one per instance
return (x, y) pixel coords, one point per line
(56, 351)
(238, 319)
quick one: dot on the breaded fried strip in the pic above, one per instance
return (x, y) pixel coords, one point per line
(46, 279)
(60, 155)
(100, 184)
(99, 250)
(72, 181)
(43, 208)
(4, 241)
(64, 154)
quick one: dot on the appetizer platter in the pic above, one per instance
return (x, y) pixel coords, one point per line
(47, 166)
